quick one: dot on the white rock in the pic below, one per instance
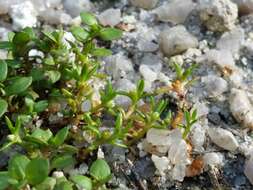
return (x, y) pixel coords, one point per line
(236, 79)
(202, 109)
(160, 137)
(145, 4)
(198, 136)
(178, 153)
(147, 73)
(52, 16)
(86, 106)
(153, 62)
(175, 11)
(178, 156)
(110, 17)
(218, 15)
(6, 5)
(231, 40)
(147, 45)
(179, 172)
(212, 159)
(158, 141)
(161, 163)
(248, 169)
(176, 40)
(241, 107)
(124, 85)
(58, 174)
(214, 85)
(118, 66)
(245, 6)
(76, 7)
(220, 58)
(165, 79)
(23, 15)
(223, 138)
(4, 33)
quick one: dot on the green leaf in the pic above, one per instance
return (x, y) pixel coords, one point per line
(48, 184)
(3, 70)
(17, 165)
(101, 52)
(64, 185)
(100, 170)
(3, 107)
(79, 33)
(14, 64)
(53, 76)
(140, 88)
(49, 36)
(43, 135)
(37, 171)
(40, 106)
(88, 18)
(119, 121)
(109, 34)
(82, 182)
(18, 85)
(62, 161)
(21, 38)
(6, 180)
(6, 45)
(60, 136)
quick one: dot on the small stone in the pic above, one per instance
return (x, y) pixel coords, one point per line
(147, 73)
(176, 40)
(175, 11)
(86, 106)
(4, 33)
(202, 109)
(147, 46)
(161, 163)
(198, 136)
(58, 174)
(118, 66)
(145, 4)
(212, 159)
(220, 58)
(76, 7)
(245, 6)
(154, 62)
(218, 15)
(178, 152)
(231, 40)
(125, 85)
(248, 171)
(52, 16)
(100, 154)
(110, 17)
(23, 15)
(214, 85)
(179, 172)
(223, 138)
(6, 5)
(241, 107)
(159, 141)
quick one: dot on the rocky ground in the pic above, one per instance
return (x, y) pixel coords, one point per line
(215, 34)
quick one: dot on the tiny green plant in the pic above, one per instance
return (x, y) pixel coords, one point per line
(23, 171)
(44, 83)
(190, 120)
